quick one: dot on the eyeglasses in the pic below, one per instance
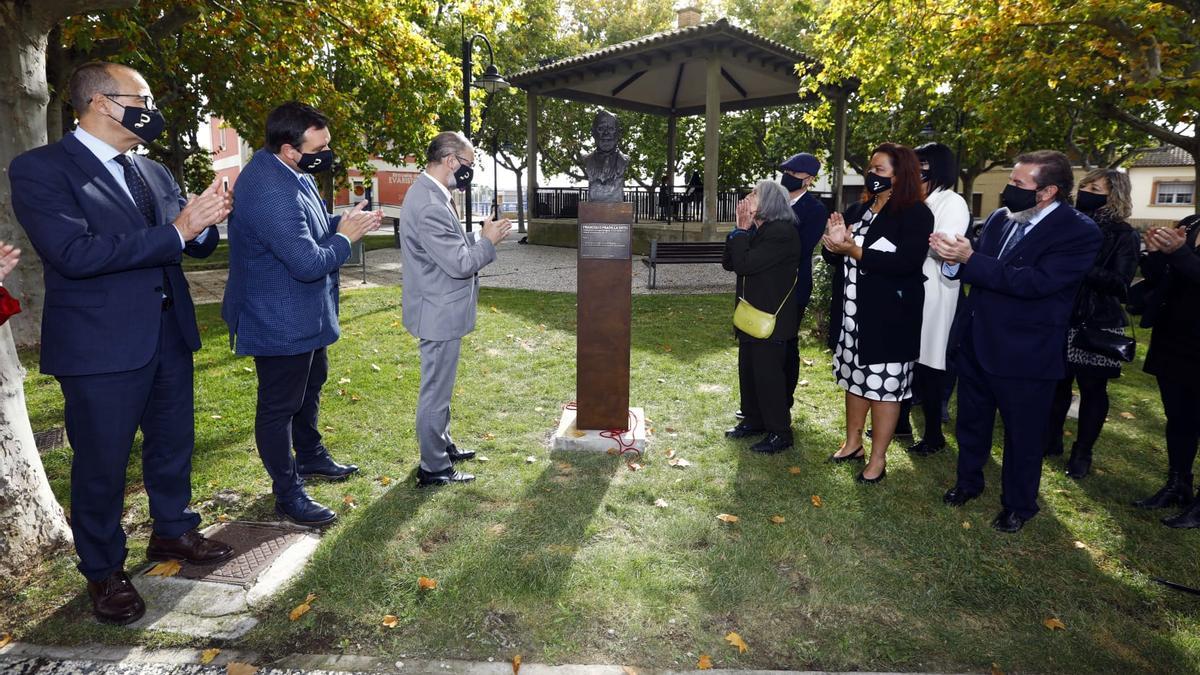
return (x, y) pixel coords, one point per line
(147, 100)
(463, 160)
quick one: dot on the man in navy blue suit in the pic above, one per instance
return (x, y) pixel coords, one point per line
(799, 172)
(281, 301)
(118, 328)
(1032, 256)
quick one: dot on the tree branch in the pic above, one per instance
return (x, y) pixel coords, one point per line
(1189, 143)
(50, 12)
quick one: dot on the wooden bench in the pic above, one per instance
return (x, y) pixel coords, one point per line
(680, 253)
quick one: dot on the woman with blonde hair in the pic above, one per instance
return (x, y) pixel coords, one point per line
(1104, 196)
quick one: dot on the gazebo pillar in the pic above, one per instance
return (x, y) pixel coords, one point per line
(531, 154)
(712, 142)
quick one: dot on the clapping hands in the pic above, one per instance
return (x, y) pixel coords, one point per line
(207, 208)
(1165, 240)
(356, 222)
(837, 238)
(954, 250)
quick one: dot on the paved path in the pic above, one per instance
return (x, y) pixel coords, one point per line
(538, 268)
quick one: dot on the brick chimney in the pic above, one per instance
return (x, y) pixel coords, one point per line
(689, 16)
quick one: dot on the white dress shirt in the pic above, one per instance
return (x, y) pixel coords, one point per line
(107, 155)
(952, 270)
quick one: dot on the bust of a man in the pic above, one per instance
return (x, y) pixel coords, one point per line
(605, 166)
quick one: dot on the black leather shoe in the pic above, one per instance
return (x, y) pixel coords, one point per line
(1078, 468)
(925, 448)
(773, 443)
(957, 496)
(1008, 521)
(743, 431)
(115, 600)
(856, 456)
(323, 467)
(1188, 518)
(302, 510)
(861, 477)
(1177, 492)
(738, 414)
(457, 455)
(447, 477)
(192, 547)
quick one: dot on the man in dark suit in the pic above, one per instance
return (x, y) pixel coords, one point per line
(1032, 256)
(118, 328)
(799, 172)
(281, 301)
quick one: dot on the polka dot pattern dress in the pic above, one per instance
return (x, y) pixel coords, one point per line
(873, 381)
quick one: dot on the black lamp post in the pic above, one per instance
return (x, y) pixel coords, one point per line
(491, 81)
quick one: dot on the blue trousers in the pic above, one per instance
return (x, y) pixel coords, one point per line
(103, 414)
(289, 399)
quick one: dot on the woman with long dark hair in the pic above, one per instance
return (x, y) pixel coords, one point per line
(877, 248)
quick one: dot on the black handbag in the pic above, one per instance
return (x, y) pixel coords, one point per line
(1105, 343)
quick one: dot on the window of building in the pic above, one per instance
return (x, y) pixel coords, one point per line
(1175, 193)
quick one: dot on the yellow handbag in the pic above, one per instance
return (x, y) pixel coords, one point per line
(755, 322)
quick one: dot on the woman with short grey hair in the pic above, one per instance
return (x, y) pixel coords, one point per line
(764, 250)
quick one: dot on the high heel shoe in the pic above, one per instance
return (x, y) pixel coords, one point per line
(856, 456)
(871, 481)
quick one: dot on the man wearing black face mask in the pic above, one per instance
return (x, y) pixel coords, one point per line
(799, 172)
(118, 328)
(281, 300)
(1012, 331)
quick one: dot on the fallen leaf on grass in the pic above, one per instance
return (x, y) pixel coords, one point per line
(802, 383)
(680, 462)
(816, 501)
(497, 529)
(670, 453)
(302, 608)
(207, 656)
(328, 428)
(376, 368)
(1068, 433)
(167, 568)
(236, 668)
(390, 621)
(5, 639)
(1054, 624)
(578, 434)
(216, 417)
(516, 664)
(1080, 544)
(634, 466)
(349, 500)
(666, 348)
(222, 518)
(808, 362)
(966, 524)
(385, 480)
(482, 458)
(426, 584)
(661, 503)
(794, 470)
(344, 380)
(530, 459)
(493, 308)
(248, 369)
(1128, 415)
(727, 518)
(489, 437)
(778, 520)
(355, 398)
(705, 663)
(736, 640)
(996, 669)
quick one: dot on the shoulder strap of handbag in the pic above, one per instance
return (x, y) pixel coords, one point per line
(746, 284)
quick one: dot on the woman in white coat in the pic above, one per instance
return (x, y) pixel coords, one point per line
(939, 170)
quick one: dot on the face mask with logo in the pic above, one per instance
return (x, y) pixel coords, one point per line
(145, 123)
(791, 183)
(463, 176)
(1090, 201)
(877, 184)
(316, 162)
(924, 175)
(1017, 199)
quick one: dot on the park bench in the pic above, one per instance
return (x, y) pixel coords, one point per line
(680, 253)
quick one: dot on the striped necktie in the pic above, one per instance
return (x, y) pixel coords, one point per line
(1018, 233)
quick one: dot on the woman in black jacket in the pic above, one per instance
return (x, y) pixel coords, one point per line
(1104, 196)
(877, 249)
(764, 250)
(1172, 307)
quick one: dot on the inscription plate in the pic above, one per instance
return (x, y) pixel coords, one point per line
(605, 241)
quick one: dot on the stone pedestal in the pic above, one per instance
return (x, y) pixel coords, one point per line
(569, 437)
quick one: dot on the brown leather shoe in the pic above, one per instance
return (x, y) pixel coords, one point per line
(115, 600)
(192, 547)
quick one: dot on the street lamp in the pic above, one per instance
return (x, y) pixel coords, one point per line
(491, 81)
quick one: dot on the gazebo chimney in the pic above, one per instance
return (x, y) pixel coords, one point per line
(689, 15)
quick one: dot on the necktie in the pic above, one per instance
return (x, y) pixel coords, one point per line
(144, 200)
(1018, 234)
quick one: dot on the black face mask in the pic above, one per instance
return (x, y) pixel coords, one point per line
(316, 162)
(1090, 201)
(147, 124)
(791, 183)
(924, 175)
(877, 184)
(1017, 199)
(462, 177)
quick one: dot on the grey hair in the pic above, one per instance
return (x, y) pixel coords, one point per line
(445, 144)
(88, 80)
(773, 202)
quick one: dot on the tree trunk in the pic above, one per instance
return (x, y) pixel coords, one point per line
(968, 190)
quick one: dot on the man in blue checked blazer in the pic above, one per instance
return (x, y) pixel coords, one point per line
(281, 301)
(118, 328)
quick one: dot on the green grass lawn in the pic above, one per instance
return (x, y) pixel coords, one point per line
(219, 259)
(567, 559)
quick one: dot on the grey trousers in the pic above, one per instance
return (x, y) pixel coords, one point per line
(439, 366)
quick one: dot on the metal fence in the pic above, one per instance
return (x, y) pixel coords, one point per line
(680, 205)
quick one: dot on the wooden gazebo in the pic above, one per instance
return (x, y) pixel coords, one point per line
(703, 69)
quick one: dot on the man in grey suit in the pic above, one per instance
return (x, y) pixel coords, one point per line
(441, 288)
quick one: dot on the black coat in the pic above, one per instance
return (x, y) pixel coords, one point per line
(891, 286)
(1174, 311)
(1106, 286)
(765, 260)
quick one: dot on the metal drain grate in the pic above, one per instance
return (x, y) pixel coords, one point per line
(257, 546)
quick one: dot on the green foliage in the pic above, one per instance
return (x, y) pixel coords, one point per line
(198, 173)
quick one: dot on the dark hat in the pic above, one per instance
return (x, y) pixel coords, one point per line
(802, 163)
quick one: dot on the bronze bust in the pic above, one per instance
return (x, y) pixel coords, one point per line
(605, 166)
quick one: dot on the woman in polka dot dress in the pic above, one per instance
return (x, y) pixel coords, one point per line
(877, 249)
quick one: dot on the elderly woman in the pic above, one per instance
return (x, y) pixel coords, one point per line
(1104, 196)
(764, 251)
(877, 249)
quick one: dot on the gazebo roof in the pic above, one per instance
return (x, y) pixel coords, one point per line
(664, 73)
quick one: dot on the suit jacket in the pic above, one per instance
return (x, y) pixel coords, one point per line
(1174, 311)
(765, 260)
(284, 253)
(103, 266)
(891, 285)
(1018, 309)
(441, 265)
(811, 218)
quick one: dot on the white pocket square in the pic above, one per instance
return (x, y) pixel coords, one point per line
(882, 244)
